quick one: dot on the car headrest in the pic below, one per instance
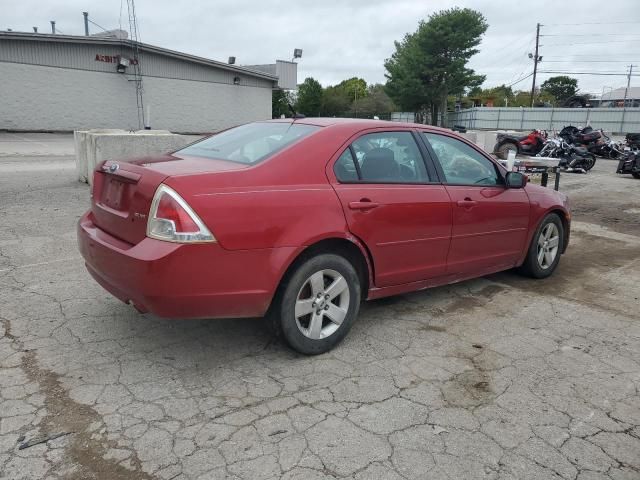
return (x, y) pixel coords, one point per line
(379, 164)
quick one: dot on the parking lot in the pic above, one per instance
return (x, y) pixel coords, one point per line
(497, 378)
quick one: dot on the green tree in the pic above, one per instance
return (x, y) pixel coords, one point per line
(521, 98)
(355, 88)
(560, 87)
(495, 95)
(376, 102)
(475, 92)
(431, 63)
(335, 102)
(309, 100)
(280, 101)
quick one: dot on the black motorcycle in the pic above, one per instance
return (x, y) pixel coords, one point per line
(630, 164)
(633, 141)
(575, 159)
(587, 137)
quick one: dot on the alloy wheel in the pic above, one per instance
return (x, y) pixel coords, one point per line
(322, 304)
(548, 244)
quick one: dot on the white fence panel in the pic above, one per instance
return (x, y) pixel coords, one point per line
(407, 117)
(515, 118)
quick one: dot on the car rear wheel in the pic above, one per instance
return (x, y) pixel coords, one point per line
(317, 304)
(545, 249)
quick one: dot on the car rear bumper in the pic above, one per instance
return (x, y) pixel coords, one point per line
(183, 280)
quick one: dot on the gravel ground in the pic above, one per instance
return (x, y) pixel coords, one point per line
(495, 378)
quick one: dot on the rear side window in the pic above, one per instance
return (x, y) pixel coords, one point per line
(251, 143)
(345, 167)
(388, 157)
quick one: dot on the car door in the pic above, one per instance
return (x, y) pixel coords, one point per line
(490, 221)
(394, 204)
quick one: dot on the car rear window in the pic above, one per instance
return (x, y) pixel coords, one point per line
(251, 143)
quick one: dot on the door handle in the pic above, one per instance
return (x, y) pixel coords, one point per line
(362, 205)
(467, 203)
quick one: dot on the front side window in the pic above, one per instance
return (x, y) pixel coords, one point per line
(249, 144)
(461, 164)
(388, 157)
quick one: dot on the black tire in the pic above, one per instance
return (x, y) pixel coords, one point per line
(503, 150)
(532, 267)
(283, 312)
(589, 162)
(636, 175)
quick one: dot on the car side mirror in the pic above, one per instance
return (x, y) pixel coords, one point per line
(516, 180)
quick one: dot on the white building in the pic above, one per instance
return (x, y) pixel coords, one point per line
(62, 83)
(615, 98)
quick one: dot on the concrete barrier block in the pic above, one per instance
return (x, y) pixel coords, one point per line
(485, 139)
(95, 146)
(489, 141)
(471, 136)
(85, 150)
(80, 145)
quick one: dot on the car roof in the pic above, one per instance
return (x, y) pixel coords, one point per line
(357, 124)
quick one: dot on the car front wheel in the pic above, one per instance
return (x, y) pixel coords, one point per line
(317, 304)
(545, 249)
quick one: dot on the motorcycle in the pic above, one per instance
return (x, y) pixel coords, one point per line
(609, 149)
(630, 164)
(591, 139)
(530, 144)
(577, 160)
(573, 158)
(632, 142)
(551, 148)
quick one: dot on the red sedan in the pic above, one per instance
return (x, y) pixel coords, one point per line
(301, 220)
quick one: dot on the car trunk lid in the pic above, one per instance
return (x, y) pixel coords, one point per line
(123, 190)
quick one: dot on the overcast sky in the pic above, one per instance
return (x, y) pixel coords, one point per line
(346, 38)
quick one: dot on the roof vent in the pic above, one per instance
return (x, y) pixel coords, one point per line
(232, 60)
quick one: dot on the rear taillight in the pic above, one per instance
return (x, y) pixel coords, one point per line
(171, 219)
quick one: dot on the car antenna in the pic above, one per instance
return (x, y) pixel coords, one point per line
(294, 114)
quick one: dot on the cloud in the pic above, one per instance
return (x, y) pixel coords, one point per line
(345, 38)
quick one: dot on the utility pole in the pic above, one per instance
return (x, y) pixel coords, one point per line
(355, 99)
(626, 93)
(626, 90)
(536, 59)
(86, 23)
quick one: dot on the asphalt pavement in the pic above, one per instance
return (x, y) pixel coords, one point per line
(496, 378)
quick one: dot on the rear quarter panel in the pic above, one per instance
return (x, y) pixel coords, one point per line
(285, 201)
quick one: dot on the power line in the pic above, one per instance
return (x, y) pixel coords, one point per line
(592, 23)
(524, 68)
(519, 80)
(588, 61)
(513, 48)
(591, 73)
(591, 35)
(584, 43)
(583, 55)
